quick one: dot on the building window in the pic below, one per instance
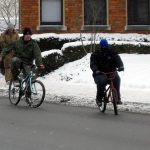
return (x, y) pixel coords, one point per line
(95, 12)
(138, 12)
(51, 12)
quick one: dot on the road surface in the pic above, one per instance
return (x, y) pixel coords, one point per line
(60, 127)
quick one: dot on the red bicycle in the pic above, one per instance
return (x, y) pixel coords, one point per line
(110, 93)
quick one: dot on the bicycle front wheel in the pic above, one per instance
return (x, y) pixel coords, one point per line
(37, 94)
(14, 93)
(115, 100)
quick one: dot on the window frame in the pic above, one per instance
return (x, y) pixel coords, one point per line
(135, 26)
(97, 27)
(52, 23)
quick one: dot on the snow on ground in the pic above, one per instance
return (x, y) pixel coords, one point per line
(74, 80)
(72, 84)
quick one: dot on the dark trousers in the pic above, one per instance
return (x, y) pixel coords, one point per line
(16, 65)
(101, 82)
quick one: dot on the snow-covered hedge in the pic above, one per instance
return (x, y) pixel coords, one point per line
(53, 42)
(129, 37)
(52, 60)
(50, 41)
(131, 48)
(74, 51)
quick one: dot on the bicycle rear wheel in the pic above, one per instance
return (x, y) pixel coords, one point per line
(115, 100)
(36, 95)
(14, 93)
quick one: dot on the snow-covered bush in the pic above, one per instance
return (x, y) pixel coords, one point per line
(52, 60)
(53, 43)
(131, 48)
(75, 50)
(73, 53)
(123, 42)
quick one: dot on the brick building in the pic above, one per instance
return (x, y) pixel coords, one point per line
(68, 16)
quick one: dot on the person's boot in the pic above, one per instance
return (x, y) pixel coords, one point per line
(98, 102)
(119, 102)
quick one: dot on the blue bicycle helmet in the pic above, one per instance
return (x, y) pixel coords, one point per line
(103, 43)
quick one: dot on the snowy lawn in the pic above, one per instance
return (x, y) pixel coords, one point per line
(73, 84)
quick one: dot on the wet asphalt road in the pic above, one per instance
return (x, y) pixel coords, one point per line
(60, 127)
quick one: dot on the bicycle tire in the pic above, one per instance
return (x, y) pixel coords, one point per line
(115, 100)
(102, 108)
(14, 93)
(35, 89)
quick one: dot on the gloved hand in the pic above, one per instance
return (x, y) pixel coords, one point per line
(40, 70)
(41, 66)
(121, 69)
(97, 72)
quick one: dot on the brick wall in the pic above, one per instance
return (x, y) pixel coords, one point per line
(29, 15)
(73, 15)
(117, 15)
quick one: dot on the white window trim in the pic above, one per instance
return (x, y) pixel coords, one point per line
(51, 27)
(99, 27)
(137, 27)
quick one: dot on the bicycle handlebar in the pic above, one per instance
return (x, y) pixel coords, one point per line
(110, 75)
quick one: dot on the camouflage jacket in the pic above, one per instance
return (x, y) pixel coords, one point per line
(6, 39)
(27, 52)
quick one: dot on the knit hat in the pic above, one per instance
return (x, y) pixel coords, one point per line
(27, 30)
(103, 43)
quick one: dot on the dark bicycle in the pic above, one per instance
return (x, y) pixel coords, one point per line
(29, 87)
(110, 93)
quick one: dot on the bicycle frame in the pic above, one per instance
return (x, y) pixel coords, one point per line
(27, 81)
(110, 77)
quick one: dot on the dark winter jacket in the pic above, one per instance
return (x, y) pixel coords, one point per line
(105, 61)
(27, 52)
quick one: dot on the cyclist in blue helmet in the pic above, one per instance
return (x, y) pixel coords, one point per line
(103, 61)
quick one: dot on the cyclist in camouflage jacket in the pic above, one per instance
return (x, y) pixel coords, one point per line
(25, 51)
